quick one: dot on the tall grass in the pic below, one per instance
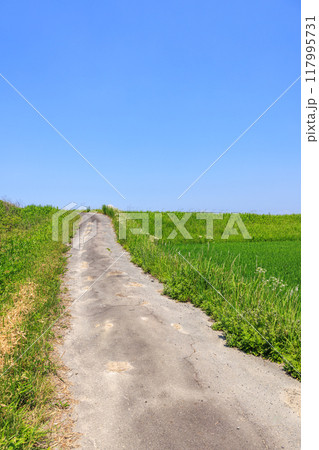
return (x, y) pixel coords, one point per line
(107, 210)
(31, 266)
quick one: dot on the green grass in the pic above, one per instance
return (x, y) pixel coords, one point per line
(31, 266)
(108, 211)
(259, 279)
(280, 259)
(264, 227)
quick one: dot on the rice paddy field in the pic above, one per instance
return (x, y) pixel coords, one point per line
(250, 287)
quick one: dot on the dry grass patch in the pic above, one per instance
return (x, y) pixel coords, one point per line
(10, 331)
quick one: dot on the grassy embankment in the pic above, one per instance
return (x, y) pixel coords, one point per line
(31, 265)
(259, 278)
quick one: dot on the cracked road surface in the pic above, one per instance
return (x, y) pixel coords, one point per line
(149, 373)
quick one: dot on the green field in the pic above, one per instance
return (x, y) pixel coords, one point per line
(31, 265)
(251, 288)
(279, 259)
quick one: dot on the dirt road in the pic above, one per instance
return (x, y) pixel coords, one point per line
(150, 373)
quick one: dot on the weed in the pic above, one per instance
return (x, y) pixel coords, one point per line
(108, 211)
(31, 265)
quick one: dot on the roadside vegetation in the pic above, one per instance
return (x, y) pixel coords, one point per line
(258, 279)
(31, 266)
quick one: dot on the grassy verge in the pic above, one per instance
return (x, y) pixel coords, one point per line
(31, 266)
(259, 310)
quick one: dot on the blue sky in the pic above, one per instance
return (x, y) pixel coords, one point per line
(151, 93)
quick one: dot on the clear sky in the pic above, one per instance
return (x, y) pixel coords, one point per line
(151, 93)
